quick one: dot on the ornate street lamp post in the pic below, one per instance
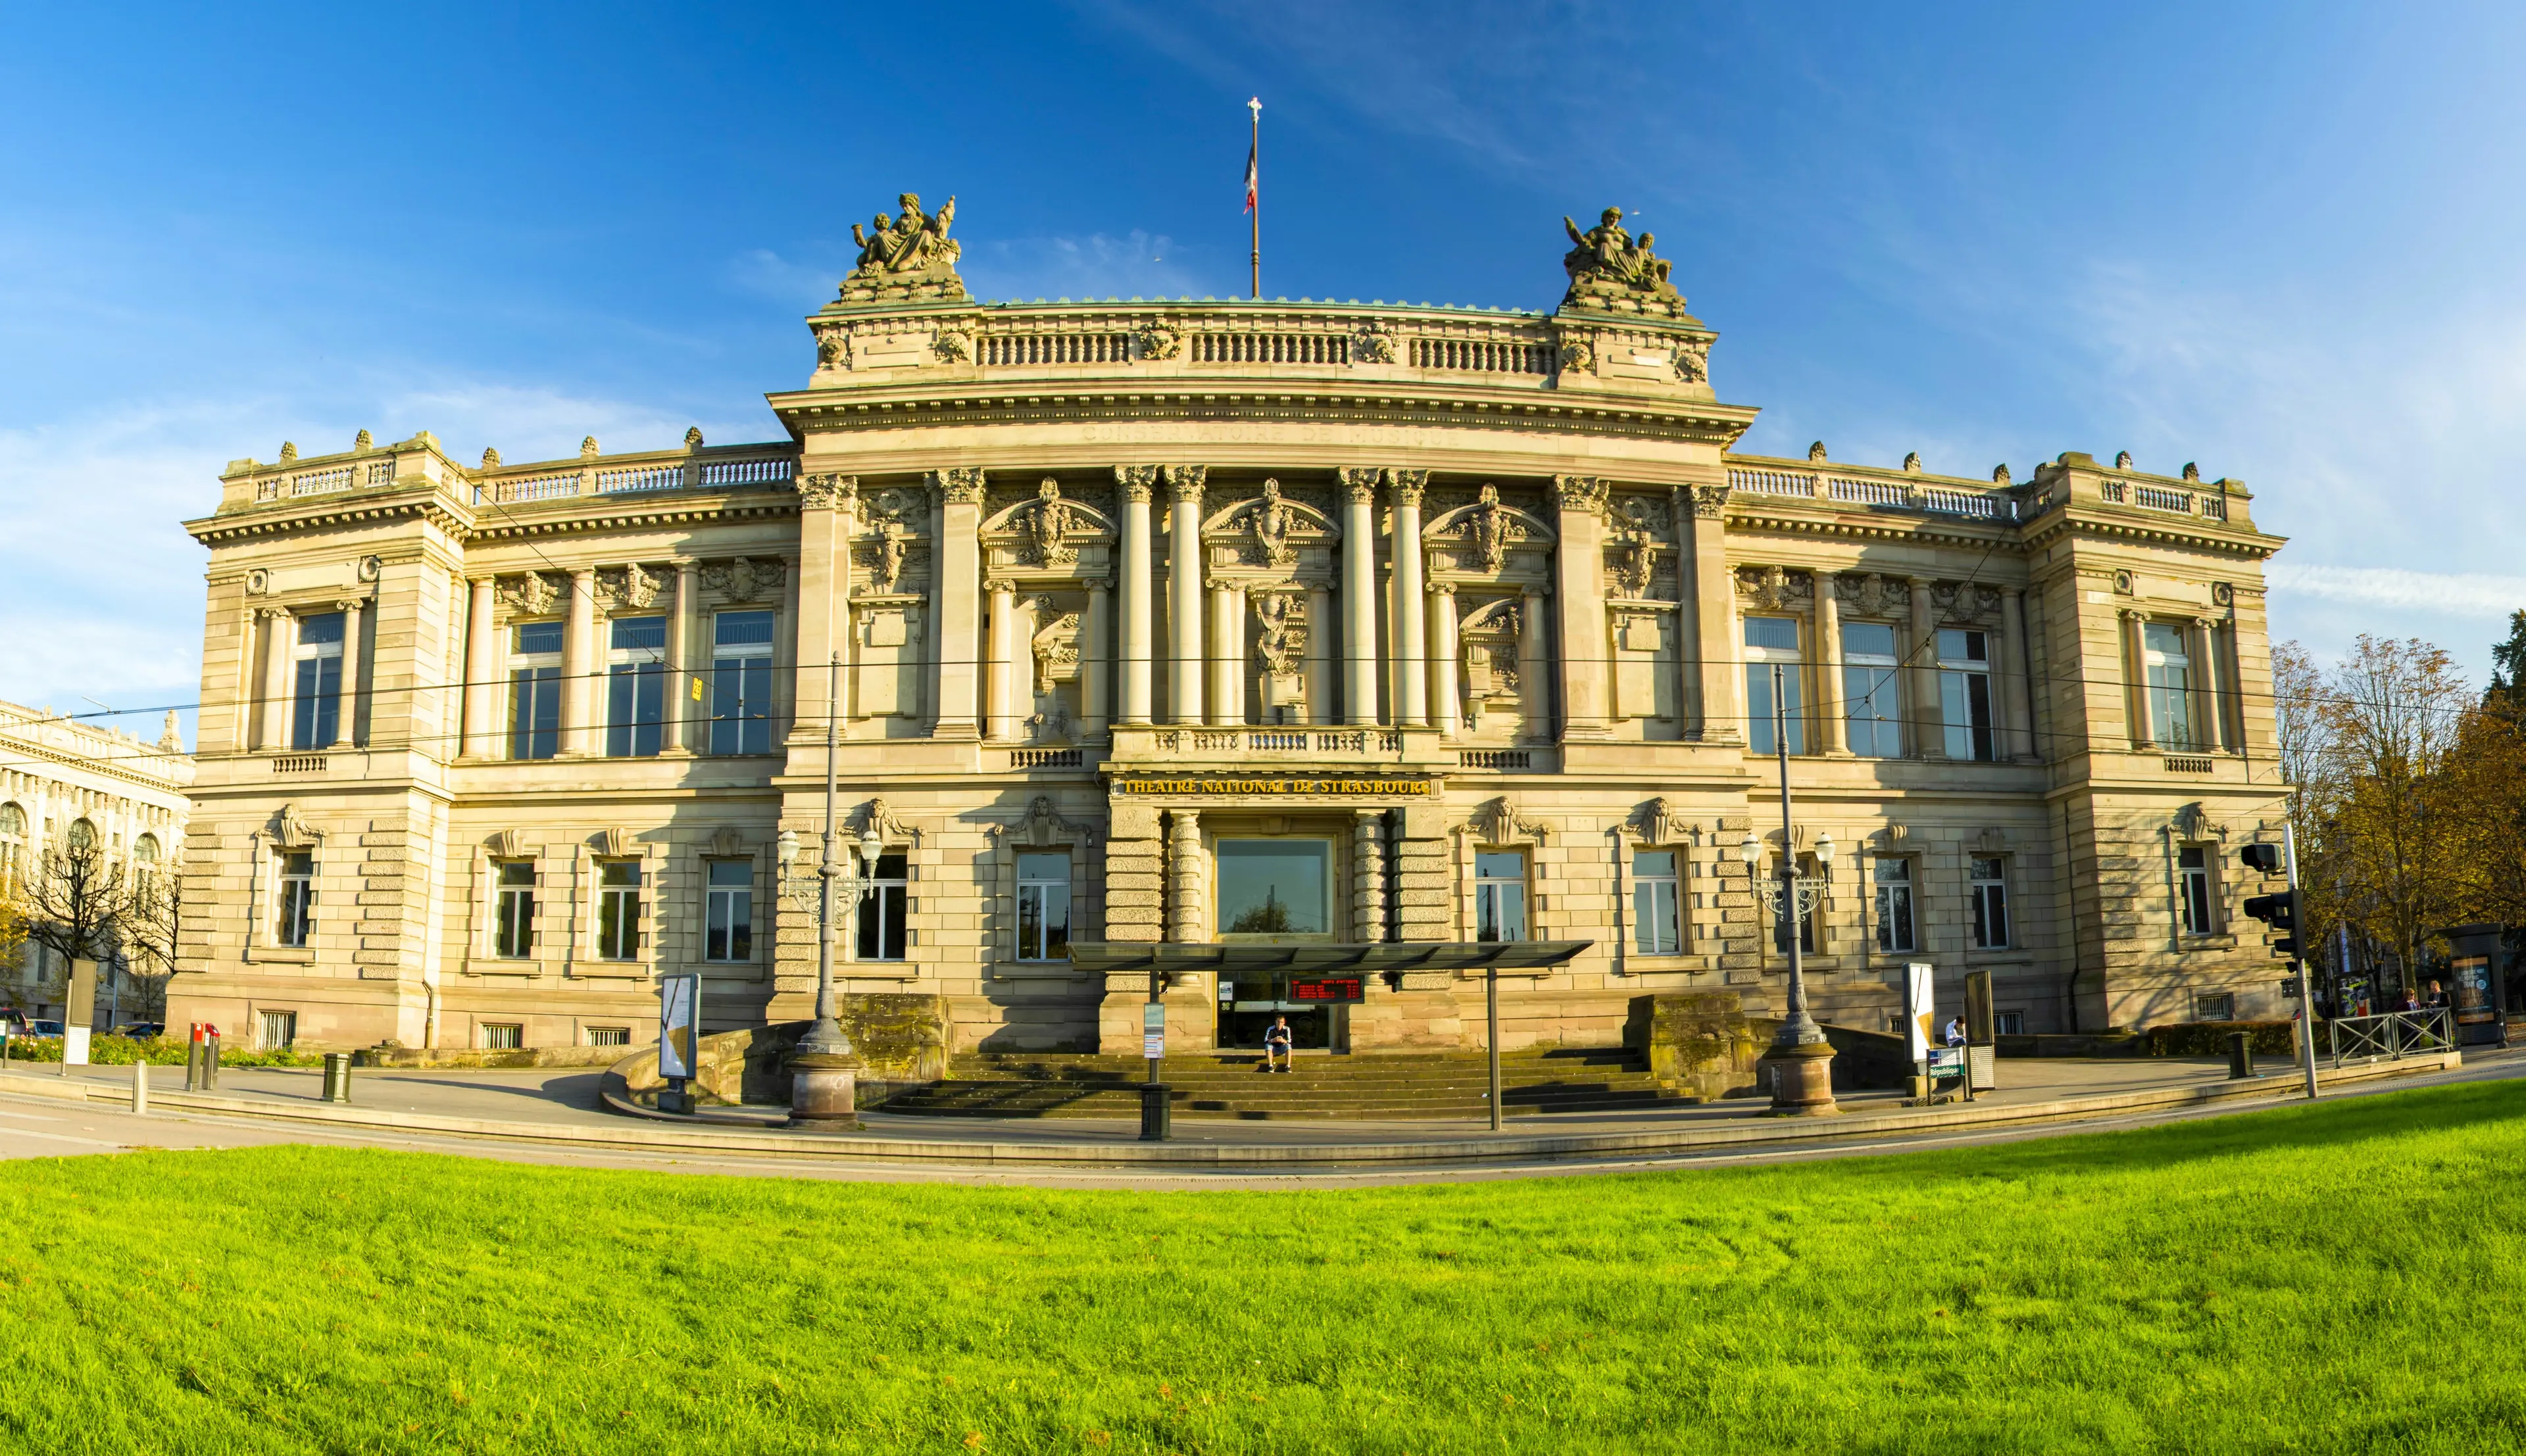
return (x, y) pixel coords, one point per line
(1801, 1059)
(823, 1066)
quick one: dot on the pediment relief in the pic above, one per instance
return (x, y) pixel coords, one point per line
(1485, 531)
(1268, 529)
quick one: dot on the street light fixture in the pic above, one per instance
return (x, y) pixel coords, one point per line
(1800, 1058)
(823, 1066)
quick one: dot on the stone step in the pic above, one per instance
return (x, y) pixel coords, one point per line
(1274, 1100)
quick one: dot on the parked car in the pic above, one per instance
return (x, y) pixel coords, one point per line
(141, 1030)
(44, 1029)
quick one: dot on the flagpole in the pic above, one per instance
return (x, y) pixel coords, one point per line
(1256, 196)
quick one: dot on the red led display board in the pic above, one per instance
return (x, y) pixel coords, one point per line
(1325, 989)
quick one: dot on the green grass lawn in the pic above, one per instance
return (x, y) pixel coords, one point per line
(2345, 1277)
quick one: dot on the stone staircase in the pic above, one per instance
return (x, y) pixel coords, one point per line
(1232, 1085)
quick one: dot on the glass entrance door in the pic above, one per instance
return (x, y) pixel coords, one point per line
(1317, 1007)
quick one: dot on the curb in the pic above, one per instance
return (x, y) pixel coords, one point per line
(681, 1137)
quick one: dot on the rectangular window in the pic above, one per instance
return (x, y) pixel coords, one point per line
(742, 682)
(297, 898)
(2008, 1022)
(1657, 929)
(883, 909)
(1894, 907)
(636, 686)
(609, 1036)
(503, 1036)
(618, 910)
(279, 1029)
(1773, 641)
(1043, 906)
(1964, 692)
(728, 921)
(1276, 888)
(316, 698)
(1500, 894)
(2214, 1006)
(512, 931)
(535, 690)
(1872, 704)
(1989, 904)
(2170, 683)
(2192, 889)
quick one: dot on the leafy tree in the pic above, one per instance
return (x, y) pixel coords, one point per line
(2508, 667)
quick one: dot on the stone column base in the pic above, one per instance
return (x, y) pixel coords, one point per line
(824, 1091)
(1801, 1080)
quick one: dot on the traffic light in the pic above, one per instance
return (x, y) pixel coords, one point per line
(2265, 858)
(2280, 912)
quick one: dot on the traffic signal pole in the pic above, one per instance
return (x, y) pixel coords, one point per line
(2298, 963)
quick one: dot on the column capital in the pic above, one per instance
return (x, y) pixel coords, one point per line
(958, 486)
(1407, 486)
(1708, 502)
(999, 586)
(1137, 482)
(827, 492)
(1585, 494)
(350, 604)
(1186, 481)
(1098, 581)
(1442, 589)
(1359, 482)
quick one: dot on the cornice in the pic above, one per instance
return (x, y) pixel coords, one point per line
(1702, 422)
(104, 768)
(493, 523)
(293, 517)
(2056, 524)
(1949, 531)
(509, 526)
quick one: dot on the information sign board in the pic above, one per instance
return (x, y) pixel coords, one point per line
(1153, 1029)
(1325, 989)
(1919, 1010)
(680, 999)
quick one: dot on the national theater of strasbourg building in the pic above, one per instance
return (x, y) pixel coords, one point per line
(1219, 621)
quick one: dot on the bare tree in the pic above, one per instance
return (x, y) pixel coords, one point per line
(149, 929)
(77, 900)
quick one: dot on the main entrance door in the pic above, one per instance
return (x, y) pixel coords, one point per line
(1318, 1008)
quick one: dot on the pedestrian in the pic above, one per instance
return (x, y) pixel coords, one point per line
(1956, 1029)
(1277, 1040)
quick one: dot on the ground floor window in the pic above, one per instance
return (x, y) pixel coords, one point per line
(2009, 1022)
(1657, 929)
(1989, 904)
(499, 1036)
(279, 1029)
(1043, 906)
(1274, 886)
(1500, 894)
(513, 936)
(2192, 887)
(728, 921)
(1895, 906)
(297, 921)
(618, 910)
(2214, 1006)
(881, 935)
(609, 1036)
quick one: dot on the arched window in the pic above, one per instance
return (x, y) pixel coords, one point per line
(145, 851)
(81, 834)
(13, 822)
(13, 842)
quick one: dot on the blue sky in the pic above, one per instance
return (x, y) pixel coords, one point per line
(2278, 239)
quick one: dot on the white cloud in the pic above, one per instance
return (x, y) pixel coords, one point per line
(1135, 264)
(2448, 594)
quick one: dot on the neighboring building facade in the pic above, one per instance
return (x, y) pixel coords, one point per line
(64, 782)
(1219, 621)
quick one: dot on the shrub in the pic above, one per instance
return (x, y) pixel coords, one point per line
(2210, 1038)
(157, 1051)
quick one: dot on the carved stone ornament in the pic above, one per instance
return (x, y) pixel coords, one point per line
(615, 842)
(2123, 584)
(1269, 524)
(1710, 502)
(1042, 827)
(506, 844)
(1651, 825)
(886, 568)
(1963, 601)
(889, 829)
(1497, 823)
(1579, 493)
(371, 568)
(906, 259)
(1372, 344)
(290, 829)
(2000, 474)
(630, 588)
(1407, 486)
(2122, 460)
(745, 579)
(2193, 823)
(1490, 529)
(1359, 482)
(961, 486)
(1047, 523)
(833, 347)
(1774, 588)
(1185, 482)
(1871, 594)
(1055, 648)
(1692, 361)
(1137, 482)
(2223, 594)
(826, 492)
(531, 595)
(1157, 342)
(2192, 471)
(1611, 272)
(1578, 356)
(1635, 560)
(1281, 643)
(1912, 461)
(953, 346)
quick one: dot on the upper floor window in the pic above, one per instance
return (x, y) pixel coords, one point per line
(315, 699)
(513, 917)
(618, 910)
(883, 936)
(296, 901)
(1500, 894)
(79, 837)
(1274, 886)
(1895, 906)
(1964, 692)
(2192, 889)
(636, 686)
(2170, 683)
(1872, 703)
(1989, 888)
(728, 921)
(13, 842)
(742, 682)
(1657, 927)
(535, 690)
(1043, 906)
(1773, 641)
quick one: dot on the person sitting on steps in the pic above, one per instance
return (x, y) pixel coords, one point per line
(1276, 1039)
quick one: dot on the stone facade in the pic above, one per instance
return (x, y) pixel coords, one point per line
(58, 779)
(1118, 584)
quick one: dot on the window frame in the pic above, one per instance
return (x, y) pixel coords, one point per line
(2167, 692)
(1040, 886)
(1646, 909)
(315, 693)
(622, 908)
(721, 917)
(2225, 1000)
(503, 1035)
(1759, 660)
(295, 898)
(1884, 893)
(635, 689)
(534, 692)
(1492, 890)
(733, 719)
(890, 898)
(1968, 713)
(1329, 851)
(1886, 699)
(514, 898)
(1989, 898)
(2197, 891)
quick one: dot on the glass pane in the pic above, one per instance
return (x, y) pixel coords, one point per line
(2163, 638)
(639, 633)
(894, 867)
(742, 628)
(1274, 886)
(1648, 862)
(1867, 639)
(621, 871)
(732, 872)
(518, 871)
(1894, 870)
(539, 636)
(1759, 708)
(1985, 869)
(1870, 696)
(1499, 911)
(1044, 867)
(1499, 864)
(2190, 859)
(1653, 912)
(1780, 633)
(1030, 923)
(322, 627)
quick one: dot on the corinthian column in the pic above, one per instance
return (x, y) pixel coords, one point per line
(1404, 487)
(1094, 671)
(957, 578)
(1183, 593)
(1000, 722)
(346, 713)
(1720, 688)
(1135, 482)
(1359, 596)
(578, 666)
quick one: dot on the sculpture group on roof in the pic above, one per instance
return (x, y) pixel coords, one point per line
(906, 258)
(1609, 270)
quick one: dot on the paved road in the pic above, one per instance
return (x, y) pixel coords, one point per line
(32, 1127)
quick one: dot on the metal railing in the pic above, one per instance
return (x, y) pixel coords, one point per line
(2390, 1035)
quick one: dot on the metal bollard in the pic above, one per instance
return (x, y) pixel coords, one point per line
(2241, 1056)
(337, 1076)
(1157, 1115)
(211, 1060)
(140, 1088)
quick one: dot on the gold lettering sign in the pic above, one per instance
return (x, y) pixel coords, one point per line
(1278, 786)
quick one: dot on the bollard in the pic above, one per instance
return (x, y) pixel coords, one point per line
(2241, 1056)
(337, 1076)
(211, 1060)
(140, 1088)
(1157, 1116)
(193, 1058)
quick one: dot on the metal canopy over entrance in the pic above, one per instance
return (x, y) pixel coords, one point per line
(1234, 961)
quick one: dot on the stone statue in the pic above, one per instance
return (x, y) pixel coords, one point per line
(1046, 524)
(1281, 641)
(1610, 272)
(1489, 526)
(1270, 522)
(910, 258)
